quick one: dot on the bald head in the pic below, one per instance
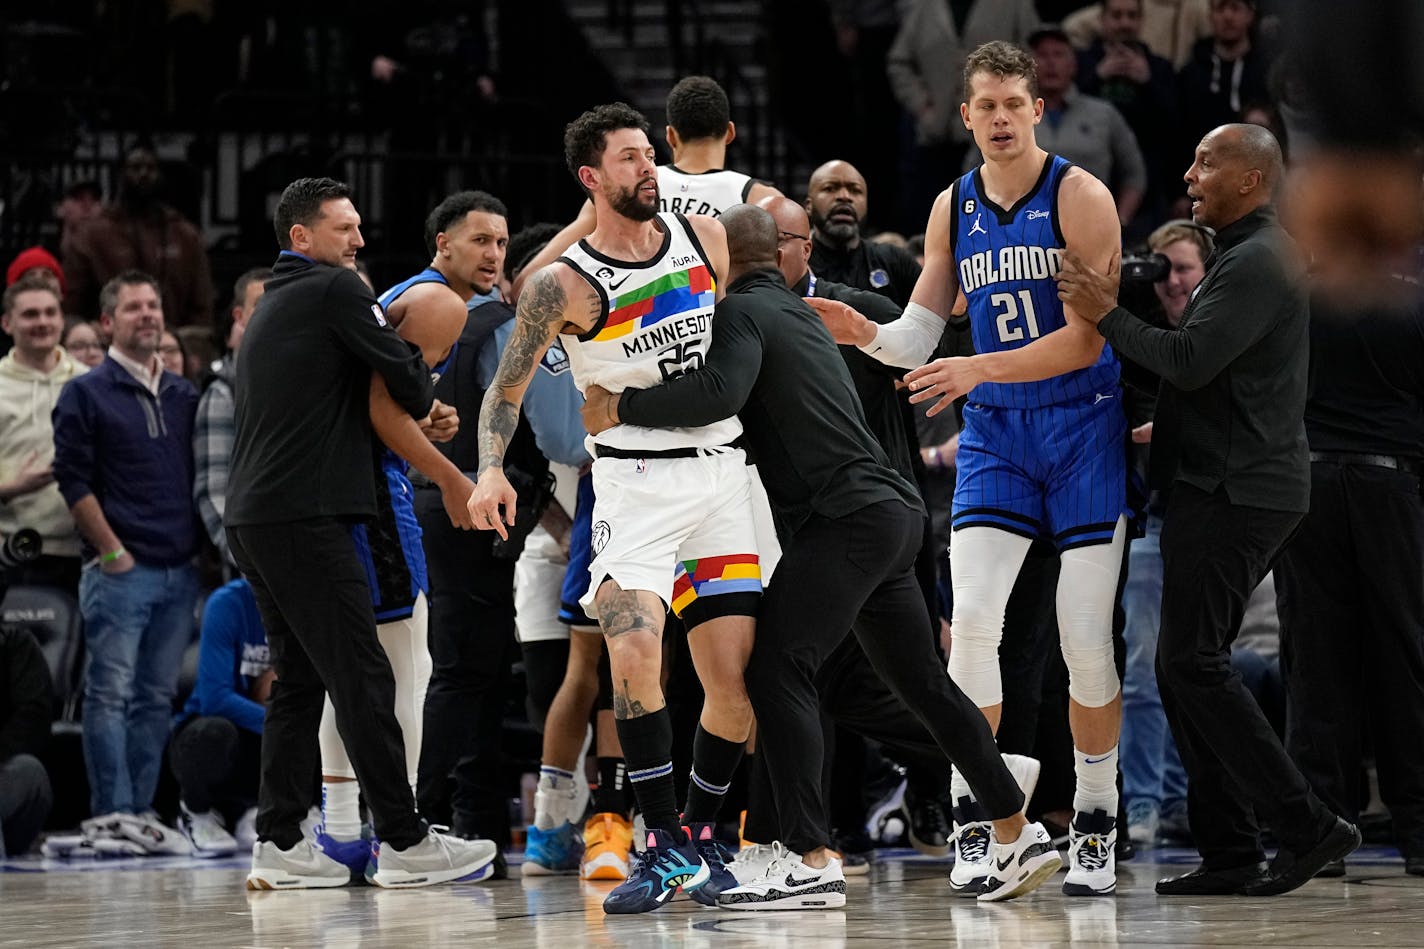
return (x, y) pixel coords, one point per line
(793, 236)
(751, 239)
(836, 202)
(1255, 148)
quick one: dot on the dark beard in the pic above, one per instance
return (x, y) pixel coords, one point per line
(628, 204)
(836, 234)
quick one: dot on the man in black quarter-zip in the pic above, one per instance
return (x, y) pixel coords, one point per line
(1229, 439)
(319, 367)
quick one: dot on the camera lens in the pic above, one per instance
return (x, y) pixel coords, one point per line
(21, 547)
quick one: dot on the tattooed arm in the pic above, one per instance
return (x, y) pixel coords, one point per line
(543, 310)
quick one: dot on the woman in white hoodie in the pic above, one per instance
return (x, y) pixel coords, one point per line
(31, 376)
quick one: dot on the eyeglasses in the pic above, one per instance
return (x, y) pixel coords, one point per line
(788, 236)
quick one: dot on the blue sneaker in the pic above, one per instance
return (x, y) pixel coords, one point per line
(352, 853)
(660, 871)
(551, 852)
(716, 855)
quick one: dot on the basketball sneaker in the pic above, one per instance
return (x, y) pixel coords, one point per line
(660, 870)
(439, 858)
(1091, 865)
(1020, 867)
(789, 884)
(145, 830)
(972, 840)
(304, 866)
(551, 852)
(716, 855)
(751, 861)
(607, 838)
(929, 831)
(246, 829)
(206, 833)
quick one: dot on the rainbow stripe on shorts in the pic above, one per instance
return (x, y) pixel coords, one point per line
(712, 576)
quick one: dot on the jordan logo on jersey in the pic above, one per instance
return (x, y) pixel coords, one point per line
(978, 227)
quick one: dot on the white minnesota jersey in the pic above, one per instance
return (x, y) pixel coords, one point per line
(709, 193)
(656, 323)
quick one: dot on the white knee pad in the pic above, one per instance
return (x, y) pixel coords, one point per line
(408, 651)
(983, 564)
(1087, 592)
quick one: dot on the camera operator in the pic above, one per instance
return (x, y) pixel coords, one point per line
(31, 376)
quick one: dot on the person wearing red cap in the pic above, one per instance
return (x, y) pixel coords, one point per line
(38, 263)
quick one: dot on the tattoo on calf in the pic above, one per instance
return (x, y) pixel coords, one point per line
(624, 706)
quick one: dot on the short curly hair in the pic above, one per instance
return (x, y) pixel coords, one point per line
(698, 109)
(1003, 60)
(586, 136)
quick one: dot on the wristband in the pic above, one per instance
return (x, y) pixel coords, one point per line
(112, 555)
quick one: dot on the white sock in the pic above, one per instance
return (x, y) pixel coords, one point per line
(958, 788)
(341, 809)
(552, 797)
(1097, 782)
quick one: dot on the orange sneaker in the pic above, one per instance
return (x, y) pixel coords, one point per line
(607, 838)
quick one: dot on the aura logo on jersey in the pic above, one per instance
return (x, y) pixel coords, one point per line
(989, 267)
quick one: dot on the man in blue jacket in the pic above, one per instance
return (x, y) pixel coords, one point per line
(123, 458)
(217, 745)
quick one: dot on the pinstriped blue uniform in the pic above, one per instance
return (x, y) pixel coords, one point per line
(1035, 458)
(390, 547)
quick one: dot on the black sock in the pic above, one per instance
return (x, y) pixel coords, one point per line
(612, 796)
(714, 760)
(647, 748)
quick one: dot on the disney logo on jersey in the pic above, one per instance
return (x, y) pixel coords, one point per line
(1037, 214)
(989, 267)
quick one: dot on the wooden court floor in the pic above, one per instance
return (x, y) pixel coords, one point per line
(202, 905)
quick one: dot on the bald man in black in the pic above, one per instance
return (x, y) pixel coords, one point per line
(1229, 442)
(851, 527)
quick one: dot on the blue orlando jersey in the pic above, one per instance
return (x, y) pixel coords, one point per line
(1005, 260)
(389, 546)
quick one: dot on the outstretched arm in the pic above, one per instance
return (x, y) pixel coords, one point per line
(544, 307)
(579, 228)
(908, 341)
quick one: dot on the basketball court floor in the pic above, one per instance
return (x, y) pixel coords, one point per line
(196, 904)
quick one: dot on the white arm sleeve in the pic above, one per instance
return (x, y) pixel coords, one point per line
(908, 341)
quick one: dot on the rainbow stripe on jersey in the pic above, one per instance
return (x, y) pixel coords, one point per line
(670, 295)
(711, 576)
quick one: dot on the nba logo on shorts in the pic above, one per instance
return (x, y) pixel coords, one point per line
(379, 313)
(642, 466)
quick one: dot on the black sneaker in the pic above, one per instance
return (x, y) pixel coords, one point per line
(929, 830)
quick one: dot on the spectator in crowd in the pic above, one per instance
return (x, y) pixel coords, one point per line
(123, 459)
(924, 64)
(38, 263)
(213, 426)
(216, 749)
(81, 340)
(1170, 28)
(1121, 69)
(31, 376)
(82, 202)
(1226, 72)
(139, 231)
(1083, 129)
(836, 201)
(200, 352)
(25, 710)
(172, 354)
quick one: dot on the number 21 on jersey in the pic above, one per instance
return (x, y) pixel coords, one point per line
(1008, 316)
